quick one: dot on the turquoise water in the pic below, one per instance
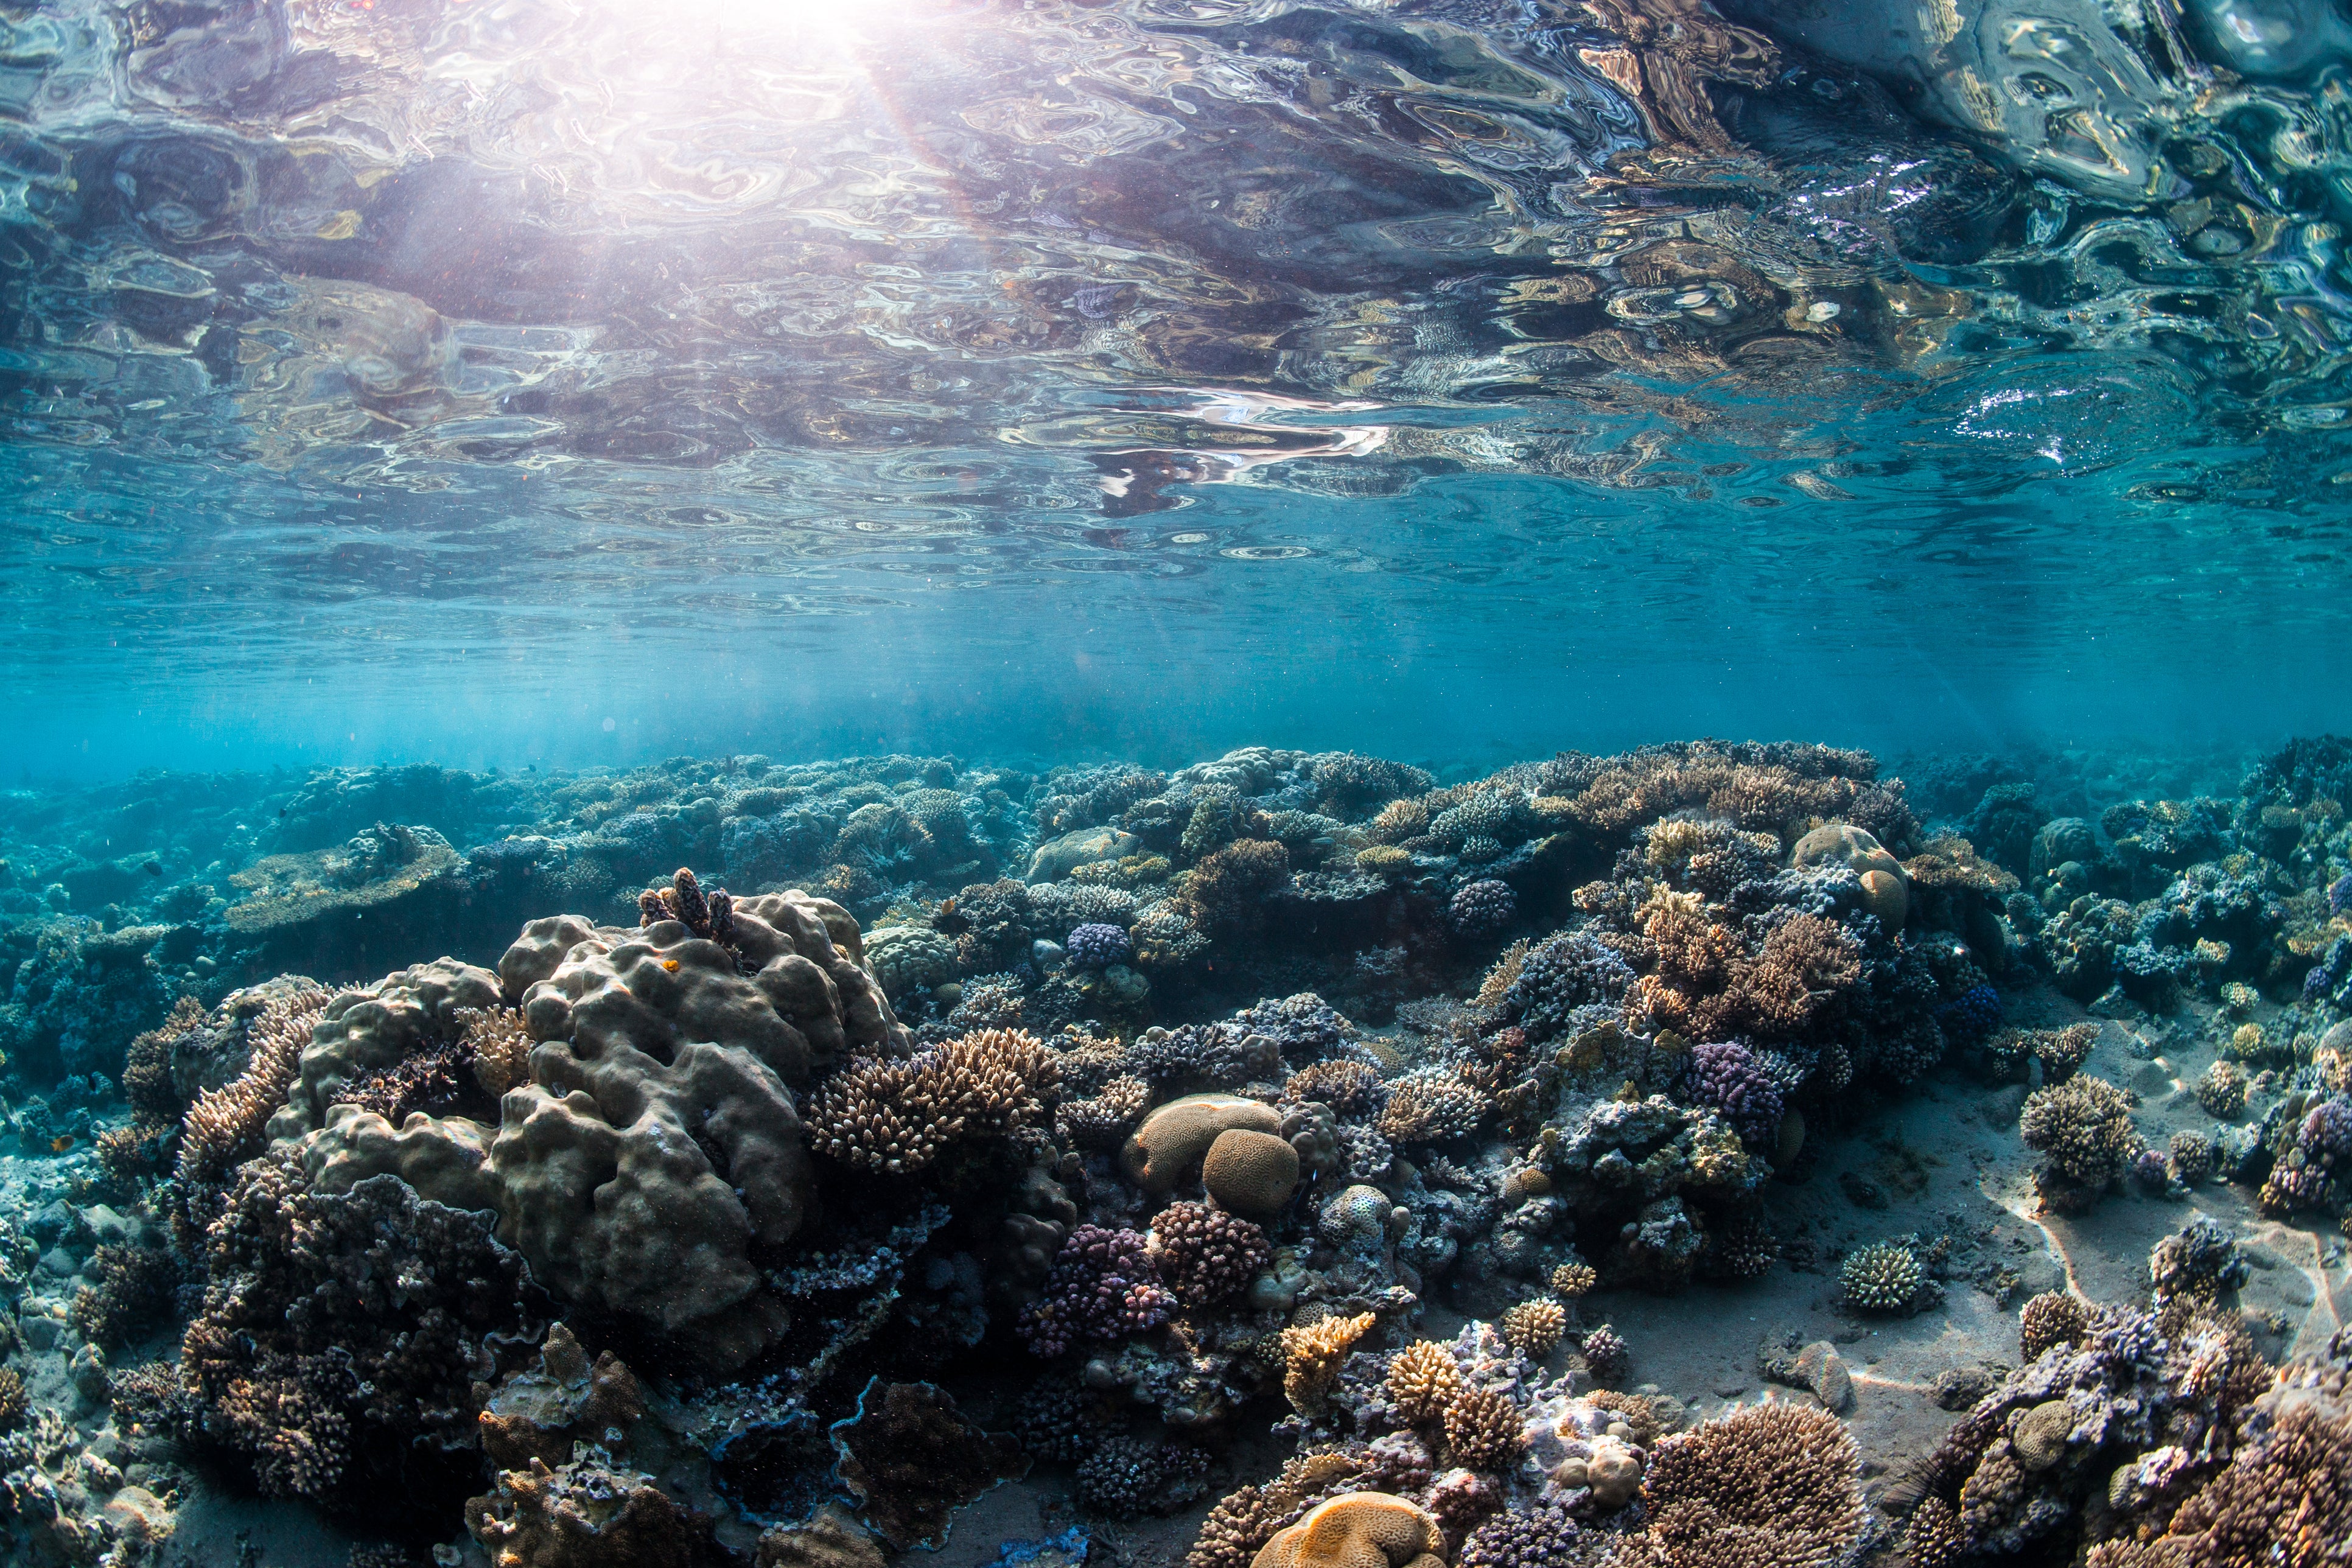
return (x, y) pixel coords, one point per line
(490, 383)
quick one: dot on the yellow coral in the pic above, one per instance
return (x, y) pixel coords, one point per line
(1311, 1357)
(1423, 1381)
(1535, 1327)
(1573, 1278)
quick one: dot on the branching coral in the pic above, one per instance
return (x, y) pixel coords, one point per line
(1204, 1255)
(1882, 1279)
(345, 1329)
(900, 1116)
(1102, 1286)
(2084, 1129)
(1430, 1105)
(1535, 1328)
(132, 1292)
(1311, 1355)
(1483, 1430)
(226, 1126)
(2052, 1318)
(496, 1044)
(1773, 1486)
(1423, 1378)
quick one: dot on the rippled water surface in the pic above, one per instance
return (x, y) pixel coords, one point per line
(489, 380)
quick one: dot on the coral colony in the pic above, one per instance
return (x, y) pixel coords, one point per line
(1290, 1155)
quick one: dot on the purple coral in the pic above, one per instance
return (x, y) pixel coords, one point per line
(1099, 945)
(1102, 1286)
(1729, 1078)
(1482, 908)
(1973, 1015)
(2339, 896)
(2325, 1135)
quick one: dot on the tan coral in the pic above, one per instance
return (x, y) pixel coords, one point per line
(1311, 1355)
(1423, 1381)
(1357, 1530)
(1484, 1430)
(1771, 1484)
(1250, 1171)
(1573, 1279)
(1168, 1149)
(1534, 1328)
(2052, 1318)
(498, 1043)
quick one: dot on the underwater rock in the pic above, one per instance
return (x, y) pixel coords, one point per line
(911, 1459)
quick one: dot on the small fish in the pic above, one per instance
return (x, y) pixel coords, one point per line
(61, 1142)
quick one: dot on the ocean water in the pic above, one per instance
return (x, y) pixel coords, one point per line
(1160, 548)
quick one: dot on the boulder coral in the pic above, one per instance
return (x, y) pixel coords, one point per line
(657, 1143)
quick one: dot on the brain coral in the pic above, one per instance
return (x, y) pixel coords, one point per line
(1168, 1149)
(1357, 1530)
(1250, 1171)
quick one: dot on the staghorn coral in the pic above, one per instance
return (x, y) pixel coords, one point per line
(2052, 1318)
(1422, 1380)
(1205, 1256)
(2084, 1129)
(1483, 1430)
(1311, 1356)
(1771, 1486)
(1535, 1327)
